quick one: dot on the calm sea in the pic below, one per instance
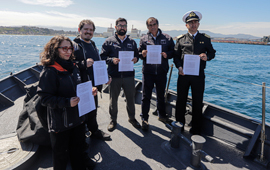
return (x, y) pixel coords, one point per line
(233, 78)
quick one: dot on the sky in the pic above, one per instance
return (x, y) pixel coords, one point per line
(225, 17)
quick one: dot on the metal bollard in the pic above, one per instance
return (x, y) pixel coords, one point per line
(176, 130)
(197, 145)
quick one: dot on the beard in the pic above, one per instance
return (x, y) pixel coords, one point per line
(121, 32)
(86, 38)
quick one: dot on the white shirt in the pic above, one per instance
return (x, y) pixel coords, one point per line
(156, 36)
(194, 34)
(123, 39)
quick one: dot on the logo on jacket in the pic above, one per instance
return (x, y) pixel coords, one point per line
(163, 41)
(149, 41)
(129, 45)
(78, 77)
(115, 44)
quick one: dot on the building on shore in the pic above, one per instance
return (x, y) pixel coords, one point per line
(110, 32)
(135, 33)
(266, 39)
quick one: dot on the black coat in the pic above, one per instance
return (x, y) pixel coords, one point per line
(81, 57)
(186, 45)
(167, 44)
(110, 50)
(56, 87)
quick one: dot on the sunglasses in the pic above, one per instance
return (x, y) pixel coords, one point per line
(65, 49)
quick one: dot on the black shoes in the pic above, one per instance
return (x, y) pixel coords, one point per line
(99, 134)
(145, 125)
(89, 163)
(112, 126)
(135, 123)
(165, 120)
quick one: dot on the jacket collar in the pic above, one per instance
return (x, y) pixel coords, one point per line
(58, 66)
(158, 34)
(190, 36)
(118, 39)
(79, 40)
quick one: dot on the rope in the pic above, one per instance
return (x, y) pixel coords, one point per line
(237, 80)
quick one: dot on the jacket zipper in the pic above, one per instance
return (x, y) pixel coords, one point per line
(65, 111)
(193, 42)
(122, 49)
(65, 117)
(74, 88)
(84, 57)
(155, 40)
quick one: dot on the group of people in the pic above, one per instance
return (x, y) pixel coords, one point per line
(68, 63)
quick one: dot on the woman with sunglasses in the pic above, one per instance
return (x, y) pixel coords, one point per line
(57, 88)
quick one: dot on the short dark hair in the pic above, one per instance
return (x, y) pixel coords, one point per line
(151, 19)
(120, 20)
(50, 53)
(86, 21)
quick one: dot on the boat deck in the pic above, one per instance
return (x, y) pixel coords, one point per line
(134, 149)
(228, 135)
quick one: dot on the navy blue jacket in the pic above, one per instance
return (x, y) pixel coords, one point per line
(110, 50)
(56, 87)
(167, 44)
(186, 45)
(81, 57)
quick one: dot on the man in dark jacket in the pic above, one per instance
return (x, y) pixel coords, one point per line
(155, 73)
(193, 43)
(86, 53)
(110, 52)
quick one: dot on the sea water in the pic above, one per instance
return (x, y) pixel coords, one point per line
(233, 78)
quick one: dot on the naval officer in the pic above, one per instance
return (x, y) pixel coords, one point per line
(194, 43)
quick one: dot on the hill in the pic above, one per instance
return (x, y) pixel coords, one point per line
(25, 30)
(31, 30)
(172, 33)
(175, 33)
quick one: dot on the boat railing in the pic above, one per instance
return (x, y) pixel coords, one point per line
(262, 123)
(261, 128)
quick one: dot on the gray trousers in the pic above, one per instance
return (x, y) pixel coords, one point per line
(128, 85)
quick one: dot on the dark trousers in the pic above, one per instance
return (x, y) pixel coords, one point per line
(148, 81)
(68, 144)
(128, 86)
(197, 84)
(91, 121)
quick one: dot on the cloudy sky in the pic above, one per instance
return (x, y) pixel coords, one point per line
(226, 17)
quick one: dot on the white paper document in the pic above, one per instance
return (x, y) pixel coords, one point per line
(125, 63)
(100, 72)
(153, 54)
(87, 102)
(191, 65)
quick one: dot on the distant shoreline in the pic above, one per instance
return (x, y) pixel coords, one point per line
(240, 42)
(71, 35)
(98, 36)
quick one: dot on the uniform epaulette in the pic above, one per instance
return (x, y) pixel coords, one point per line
(208, 36)
(180, 36)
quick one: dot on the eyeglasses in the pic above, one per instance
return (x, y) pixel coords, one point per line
(65, 49)
(121, 26)
(152, 25)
